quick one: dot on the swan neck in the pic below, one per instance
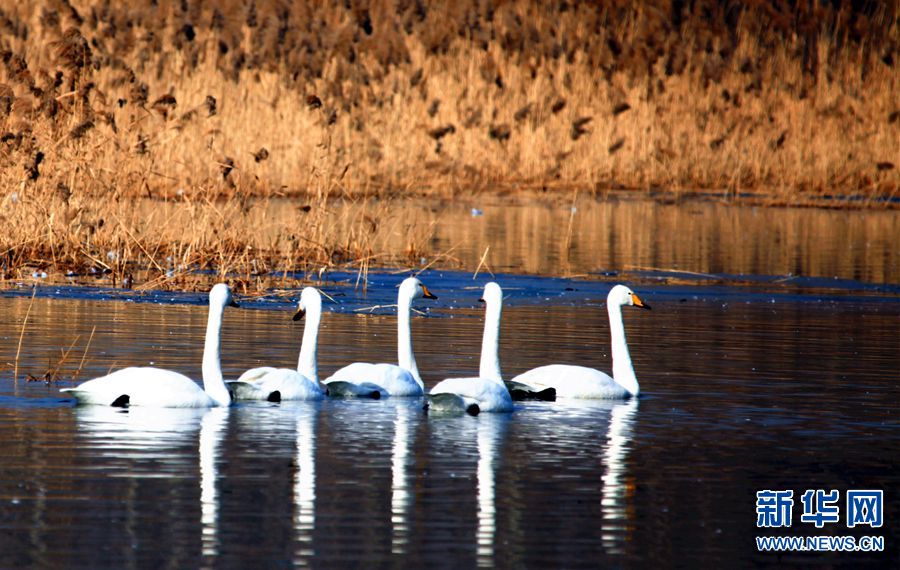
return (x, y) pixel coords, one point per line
(405, 358)
(307, 364)
(490, 344)
(623, 370)
(213, 383)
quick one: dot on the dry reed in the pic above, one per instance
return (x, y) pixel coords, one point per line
(22, 336)
(207, 107)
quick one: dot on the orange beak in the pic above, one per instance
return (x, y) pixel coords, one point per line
(638, 303)
(428, 294)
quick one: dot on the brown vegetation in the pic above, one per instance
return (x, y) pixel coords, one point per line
(104, 102)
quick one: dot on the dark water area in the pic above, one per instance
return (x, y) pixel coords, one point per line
(744, 387)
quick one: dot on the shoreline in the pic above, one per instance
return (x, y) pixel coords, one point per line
(460, 290)
(266, 243)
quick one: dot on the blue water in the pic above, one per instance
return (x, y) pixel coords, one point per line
(749, 384)
(376, 294)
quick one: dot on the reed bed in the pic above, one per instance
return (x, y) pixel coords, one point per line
(216, 108)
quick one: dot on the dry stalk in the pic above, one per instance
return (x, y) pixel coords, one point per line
(84, 354)
(729, 102)
(53, 371)
(22, 335)
(572, 210)
(483, 262)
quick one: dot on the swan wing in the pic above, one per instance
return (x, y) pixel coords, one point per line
(255, 374)
(354, 373)
(572, 382)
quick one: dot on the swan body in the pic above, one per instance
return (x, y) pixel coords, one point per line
(486, 392)
(572, 382)
(276, 384)
(582, 382)
(401, 379)
(391, 379)
(155, 387)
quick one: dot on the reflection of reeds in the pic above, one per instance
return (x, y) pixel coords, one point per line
(344, 101)
(528, 233)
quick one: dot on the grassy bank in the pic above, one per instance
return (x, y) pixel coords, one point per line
(102, 103)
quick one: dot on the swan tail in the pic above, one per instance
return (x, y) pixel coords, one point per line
(341, 389)
(447, 403)
(520, 391)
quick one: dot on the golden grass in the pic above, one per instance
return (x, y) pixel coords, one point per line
(208, 106)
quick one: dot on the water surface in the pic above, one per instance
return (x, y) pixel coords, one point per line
(744, 389)
(553, 234)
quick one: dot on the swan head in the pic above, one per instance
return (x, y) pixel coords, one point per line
(620, 295)
(310, 300)
(412, 288)
(493, 294)
(220, 295)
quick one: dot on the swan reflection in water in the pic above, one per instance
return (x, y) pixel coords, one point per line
(578, 426)
(305, 483)
(583, 446)
(613, 503)
(462, 444)
(490, 434)
(267, 435)
(144, 443)
(162, 443)
(400, 482)
(212, 431)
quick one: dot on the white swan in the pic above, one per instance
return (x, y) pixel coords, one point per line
(487, 392)
(582, 382)
(362, 378)
(145, 386)
(276, 384)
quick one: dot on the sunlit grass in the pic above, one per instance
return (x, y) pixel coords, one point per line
(209, 107)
